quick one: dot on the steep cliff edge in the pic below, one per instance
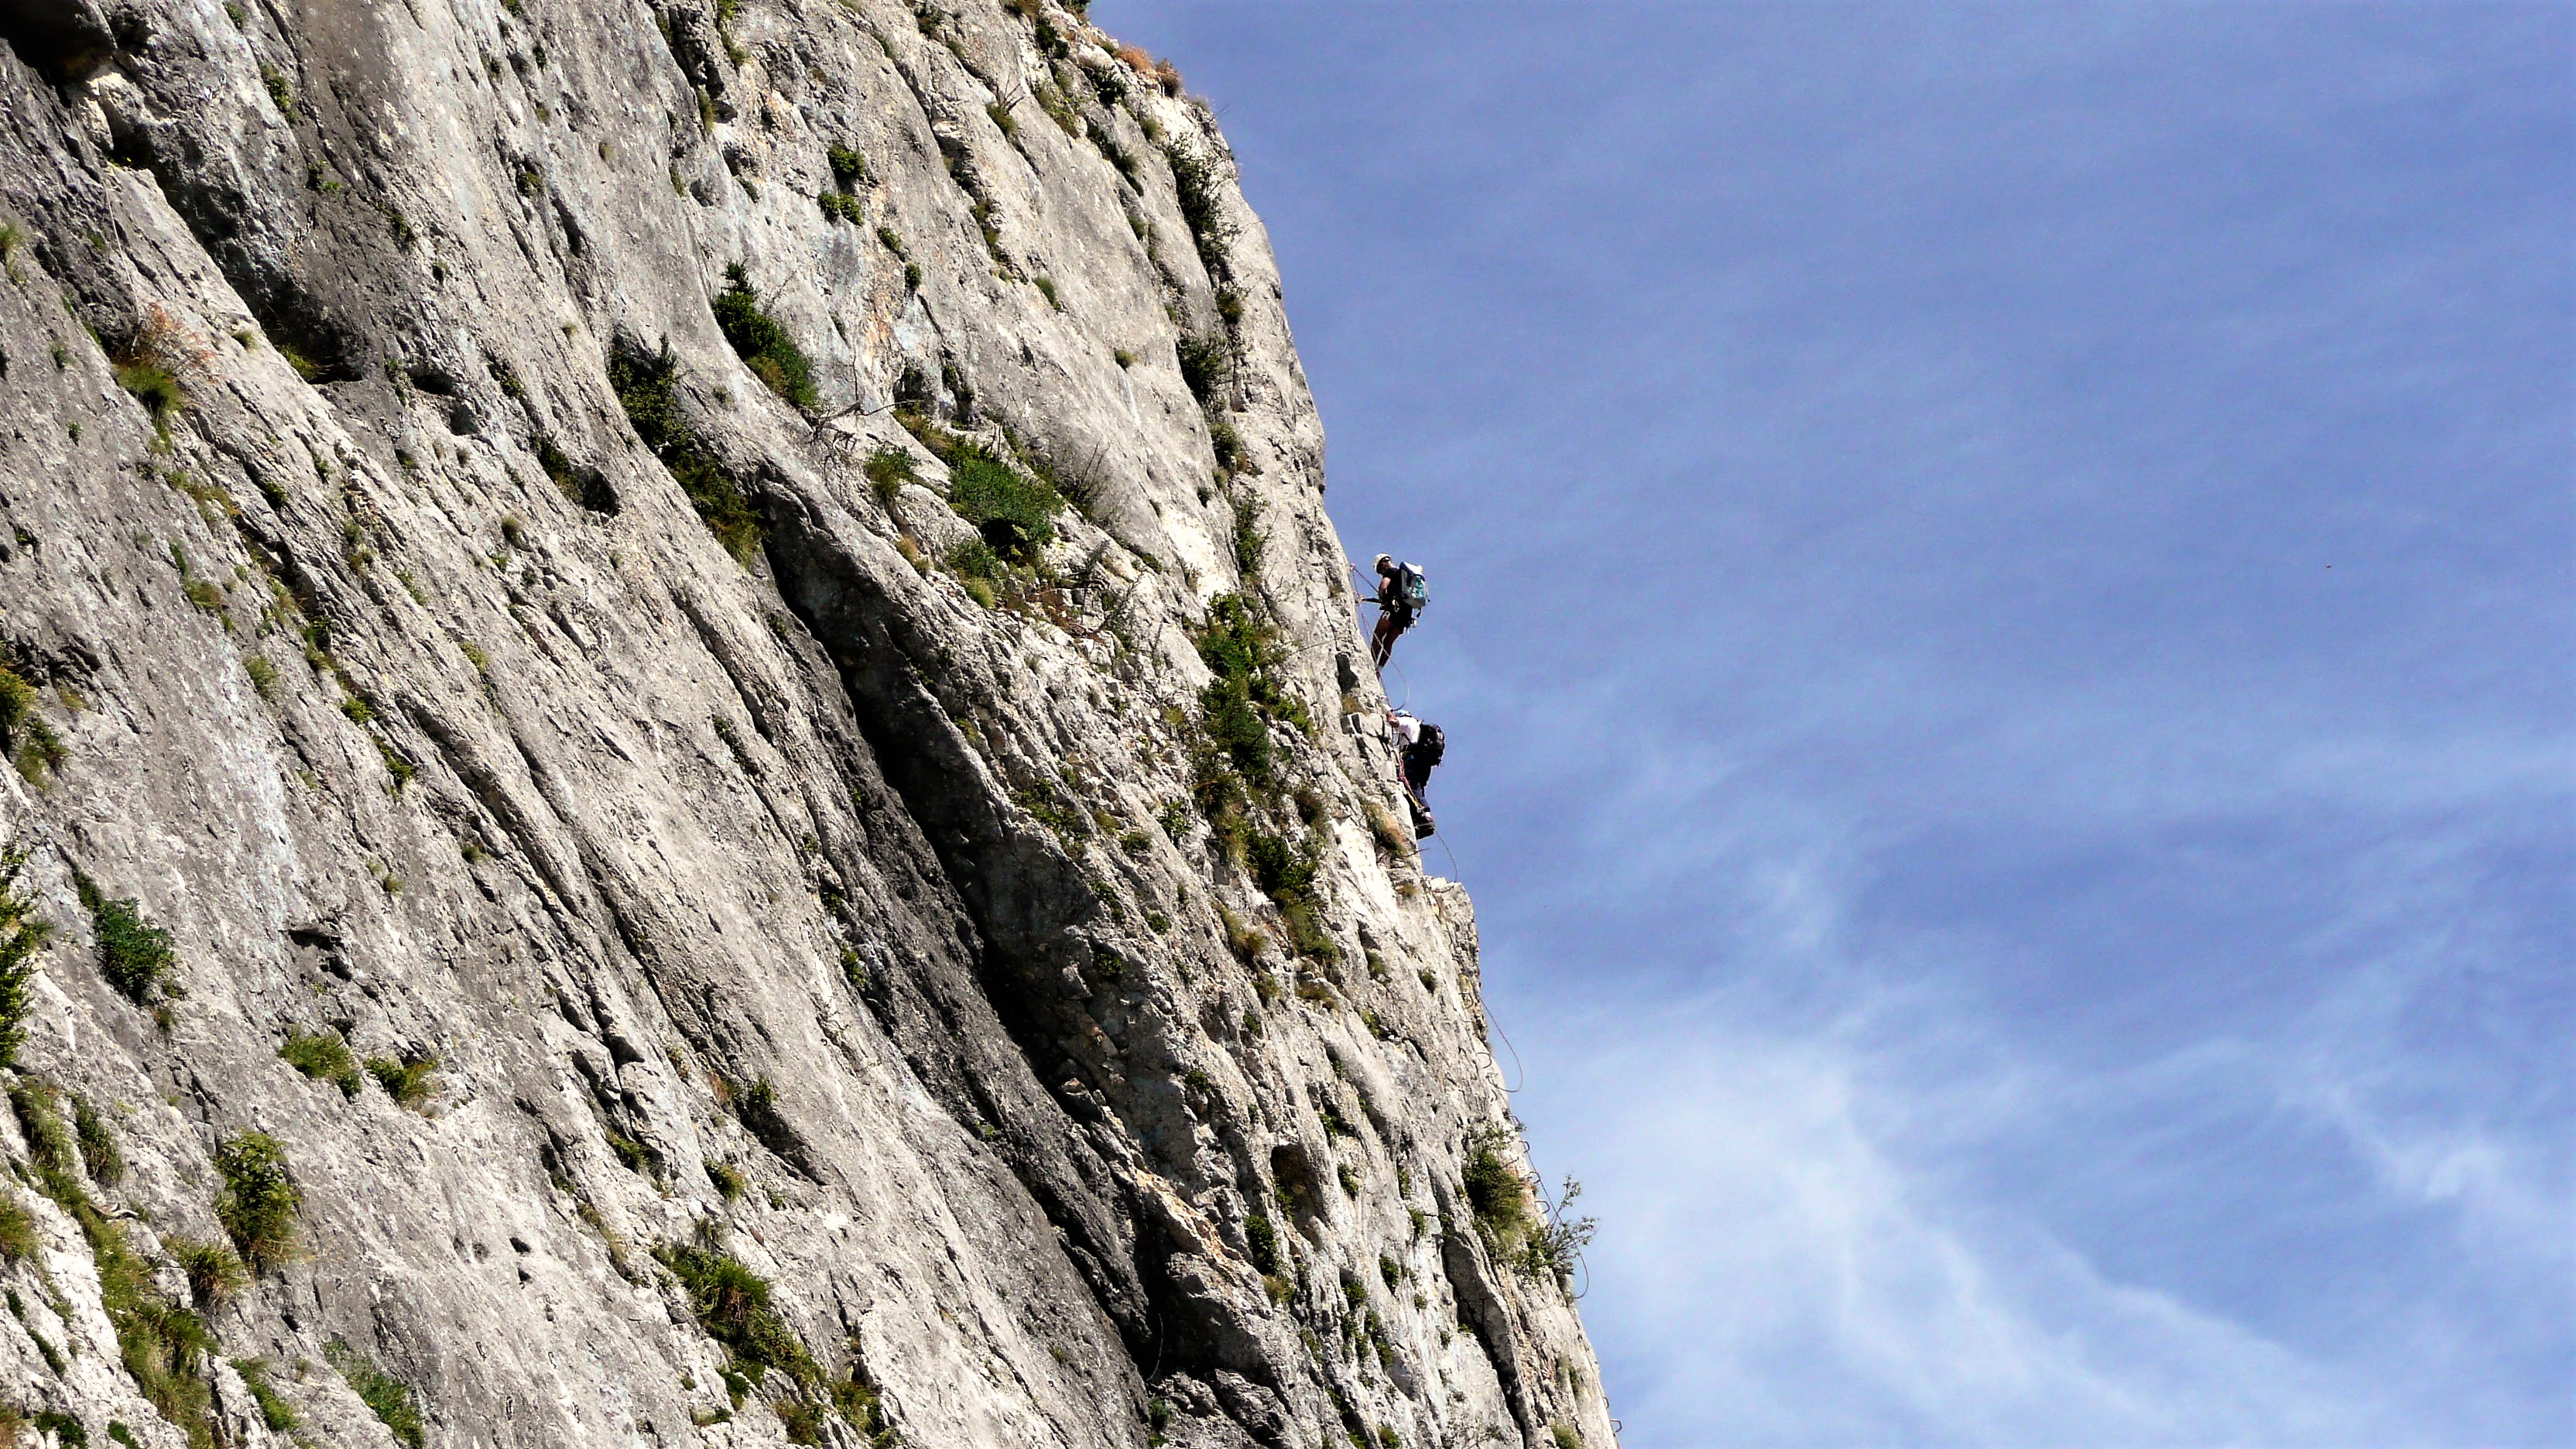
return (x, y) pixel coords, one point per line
(691, 762)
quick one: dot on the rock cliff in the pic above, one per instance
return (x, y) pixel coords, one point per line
(690, 762)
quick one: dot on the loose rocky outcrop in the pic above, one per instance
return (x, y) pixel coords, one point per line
(688, 761)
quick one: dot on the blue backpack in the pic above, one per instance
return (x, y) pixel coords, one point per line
(1411, 589)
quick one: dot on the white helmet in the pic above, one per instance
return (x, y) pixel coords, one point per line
(1383, 560)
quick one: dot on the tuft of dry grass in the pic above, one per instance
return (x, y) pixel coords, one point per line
(1246, 942)
(1382, 824)
(160, 361)
(213, 1270)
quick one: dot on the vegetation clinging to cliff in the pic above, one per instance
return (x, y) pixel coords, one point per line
(1494, 1190)
(24, 735)
(260, 1200)
(732, 1304)
(324, 1057)
(389, 1398)
(133, 954)
(1547, 1246)
(22, 933)
(1234, 776)
(644, 383)
(763, 343)
(1198, 185)
(1013, 510)
(165, 1348)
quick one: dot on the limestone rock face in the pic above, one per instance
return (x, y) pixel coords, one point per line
(692, 763)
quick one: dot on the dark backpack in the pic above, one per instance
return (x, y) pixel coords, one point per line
(1411, 589)
(1427, 749)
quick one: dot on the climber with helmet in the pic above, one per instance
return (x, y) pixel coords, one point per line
(1402, 594)
(1418, 747)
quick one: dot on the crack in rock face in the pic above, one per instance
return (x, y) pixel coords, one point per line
(688, 758)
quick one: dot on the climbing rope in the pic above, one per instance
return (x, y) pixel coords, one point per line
(1399, 673)
(1508, 1089)
(1456, 871)
(1459, 872)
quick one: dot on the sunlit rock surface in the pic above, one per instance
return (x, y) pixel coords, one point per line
(986, 928)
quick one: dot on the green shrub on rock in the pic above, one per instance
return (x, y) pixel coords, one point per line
(273, 1408)
(260, 1201)
(645, 388)
(25, 737)
(214, 1271)
(408, 1080)
(22, 935)
(1495, 1192)
(100, 1151)
(762, 343)
(324, 1057)
(18, 1237)
(732, 1303)
(49, 1142)
(133, 954)
(1014, 513)
(389, 1398)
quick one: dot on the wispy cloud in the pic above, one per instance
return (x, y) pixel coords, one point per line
(1889, 1221)
(1791, 1280)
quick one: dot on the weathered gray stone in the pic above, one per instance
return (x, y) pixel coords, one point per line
(401, 684)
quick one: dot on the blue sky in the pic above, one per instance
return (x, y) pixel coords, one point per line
(2003, 609)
